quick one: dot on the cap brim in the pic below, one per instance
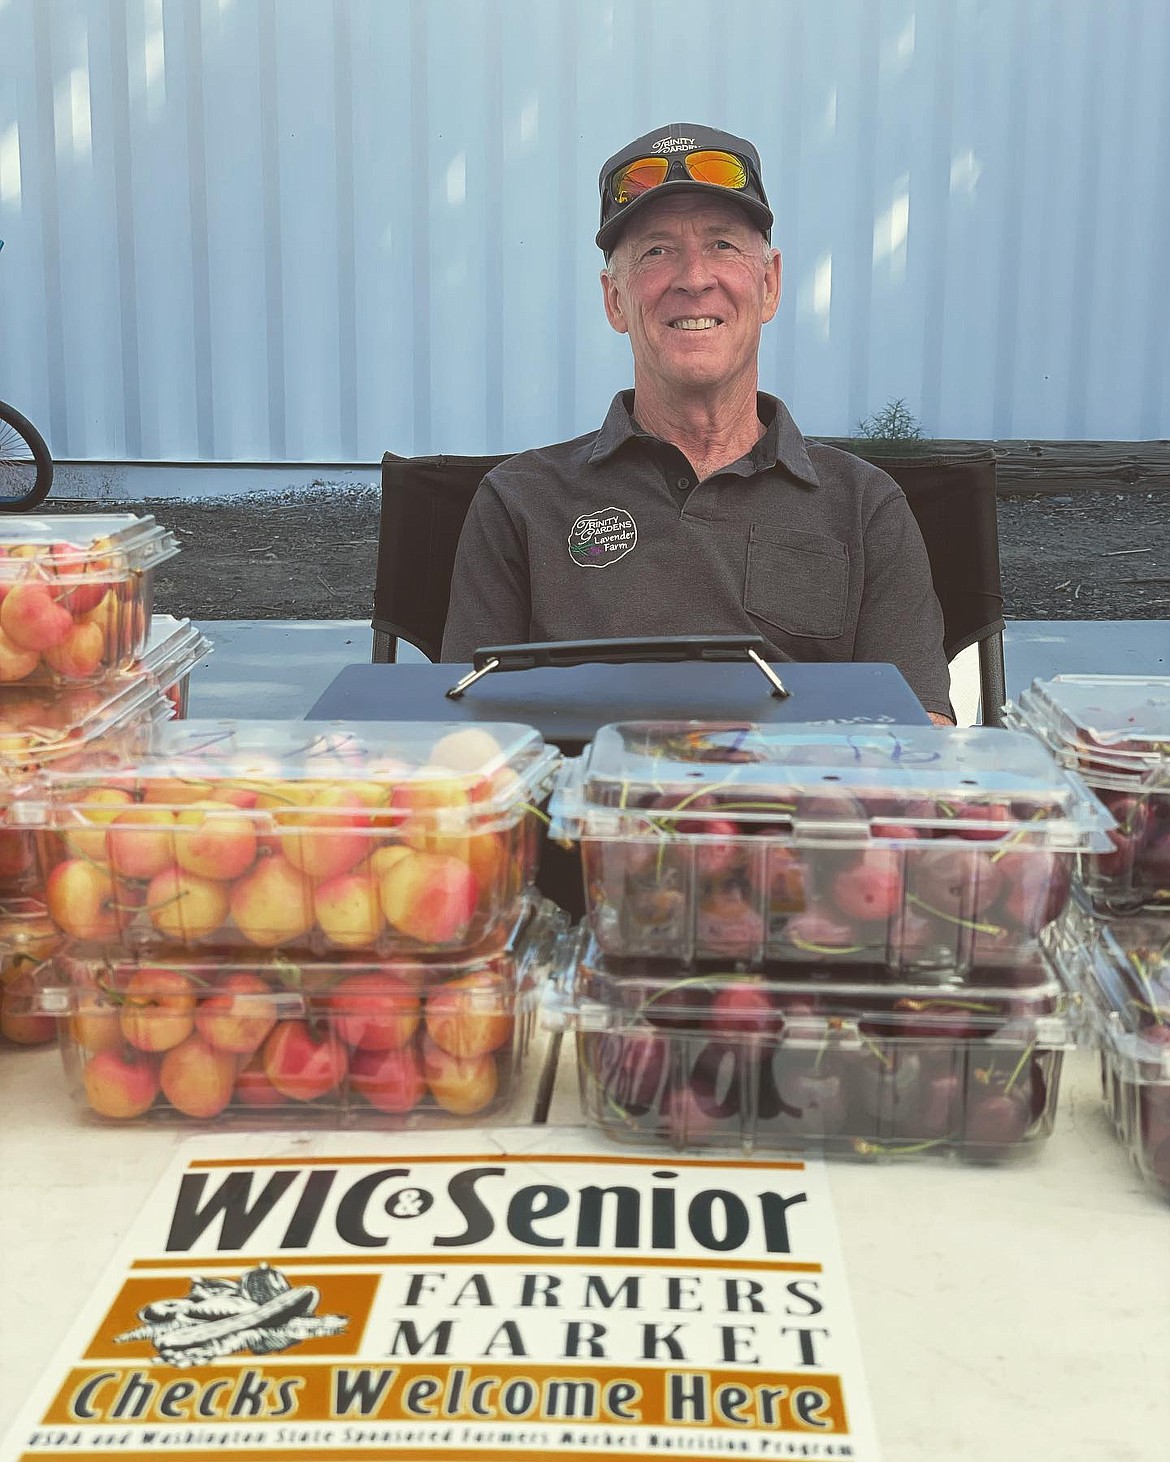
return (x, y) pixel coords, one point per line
(759, 213)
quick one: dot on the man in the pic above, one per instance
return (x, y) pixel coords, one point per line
(698, 508)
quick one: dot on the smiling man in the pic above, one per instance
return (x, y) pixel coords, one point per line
(698, 507)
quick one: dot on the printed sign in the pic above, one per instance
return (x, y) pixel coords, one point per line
(517, 1294)
(598, 540)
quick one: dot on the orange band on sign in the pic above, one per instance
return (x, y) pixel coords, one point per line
(543, 1159)
(518, 1261)
(477, 1396)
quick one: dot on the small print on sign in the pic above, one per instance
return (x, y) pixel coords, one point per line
(516, 1293)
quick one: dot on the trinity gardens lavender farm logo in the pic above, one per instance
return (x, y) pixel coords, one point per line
(600, 539)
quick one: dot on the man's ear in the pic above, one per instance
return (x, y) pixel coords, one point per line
(772, 275)
(611, 296)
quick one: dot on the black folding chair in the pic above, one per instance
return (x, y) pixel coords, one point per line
(425, 500)
(953, 499)
(424, 503)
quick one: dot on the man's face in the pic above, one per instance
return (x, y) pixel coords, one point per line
(692, 284)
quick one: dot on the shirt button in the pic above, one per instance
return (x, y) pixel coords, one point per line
(683, 484)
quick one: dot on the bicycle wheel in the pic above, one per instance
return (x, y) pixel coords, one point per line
(26, 468)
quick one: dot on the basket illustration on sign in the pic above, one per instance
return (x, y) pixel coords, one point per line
(260, 1312)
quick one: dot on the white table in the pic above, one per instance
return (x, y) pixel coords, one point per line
(1020, 1314)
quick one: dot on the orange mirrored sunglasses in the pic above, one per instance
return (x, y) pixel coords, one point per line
(632, 179)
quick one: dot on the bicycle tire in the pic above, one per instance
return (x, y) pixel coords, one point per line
(24, 454)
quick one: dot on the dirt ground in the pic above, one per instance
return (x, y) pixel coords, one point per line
(313, 554)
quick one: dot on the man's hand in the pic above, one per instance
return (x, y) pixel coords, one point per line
(940, 720)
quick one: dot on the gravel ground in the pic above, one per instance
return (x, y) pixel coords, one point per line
(1090, 555)
(313, 554)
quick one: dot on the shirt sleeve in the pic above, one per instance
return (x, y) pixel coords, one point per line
(490, 589)
(900, 620)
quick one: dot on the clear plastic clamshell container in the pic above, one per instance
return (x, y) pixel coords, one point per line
(397, 838)
(716, 1057)
(27, 938)
(44, 727)
(912, 848)
(173, 649)
(76, 594)
(256, 1039)
(1121, 969)
(1114, 730)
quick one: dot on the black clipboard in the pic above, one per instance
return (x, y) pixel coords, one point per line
(568, 704)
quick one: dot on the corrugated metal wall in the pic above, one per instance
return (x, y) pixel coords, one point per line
(314, 229)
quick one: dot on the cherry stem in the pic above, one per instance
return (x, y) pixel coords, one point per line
(864, 1148)
(683, 984)
(166, 903)
(1016, 837)
(944, 1005)
(954, 918)
(610, 1102)
(44, 735)
(291, 975)
(811, 948)
(781, 807)
(877, 1051)
(1143, 975)
(1020, 1064)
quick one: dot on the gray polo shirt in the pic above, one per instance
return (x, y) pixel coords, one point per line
(611, 535)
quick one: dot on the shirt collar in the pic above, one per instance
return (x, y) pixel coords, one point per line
(781, 444)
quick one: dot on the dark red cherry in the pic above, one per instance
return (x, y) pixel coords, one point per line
(996, 1119)
(630, 1066)
(745, 1009)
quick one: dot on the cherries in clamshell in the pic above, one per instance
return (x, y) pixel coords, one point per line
(716, 1079)
(629, 1066)
(745, 1009)
(814, 1102)
(871, 888)
(996, 1119)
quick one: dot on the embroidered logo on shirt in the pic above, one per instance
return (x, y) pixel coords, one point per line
(598, 540)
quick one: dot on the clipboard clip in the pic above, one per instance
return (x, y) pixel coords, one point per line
(661, 649)
(455, 691)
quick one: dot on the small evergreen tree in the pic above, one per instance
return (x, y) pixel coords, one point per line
(894, 431)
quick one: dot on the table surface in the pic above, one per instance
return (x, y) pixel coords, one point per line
(280, 667)
(1019, 1313)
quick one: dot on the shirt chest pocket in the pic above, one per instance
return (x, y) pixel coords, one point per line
(797, 581)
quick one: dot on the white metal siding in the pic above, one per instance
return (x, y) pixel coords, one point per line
(310, 230)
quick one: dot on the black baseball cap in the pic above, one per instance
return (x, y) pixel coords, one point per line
(676, 143)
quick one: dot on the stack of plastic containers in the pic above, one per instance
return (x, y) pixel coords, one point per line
(173, 648)
(1114, 732)
(81, 659)
(328, 922)
(820, 935)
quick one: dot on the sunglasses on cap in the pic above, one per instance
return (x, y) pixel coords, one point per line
(687, 157)
(711, 166)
